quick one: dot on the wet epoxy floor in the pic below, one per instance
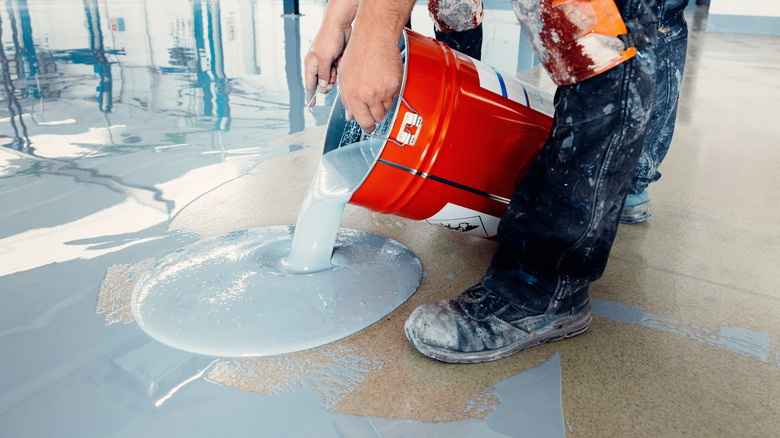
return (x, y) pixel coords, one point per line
(130, 129)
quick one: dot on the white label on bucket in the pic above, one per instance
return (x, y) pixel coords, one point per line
(536, 98)
(465, 220)
(488, 78)
(512, 88)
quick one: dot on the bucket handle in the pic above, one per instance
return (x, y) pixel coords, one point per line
(405, 135)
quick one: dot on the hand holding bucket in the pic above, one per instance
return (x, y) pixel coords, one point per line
(370, 79)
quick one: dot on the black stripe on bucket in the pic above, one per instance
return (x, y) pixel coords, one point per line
(444, 181)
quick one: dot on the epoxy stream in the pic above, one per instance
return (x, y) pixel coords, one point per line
(338, 176)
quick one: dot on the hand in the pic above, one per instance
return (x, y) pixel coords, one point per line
(370, 75)
(323, 58)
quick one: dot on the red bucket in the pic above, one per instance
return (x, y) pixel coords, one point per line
(456, 144)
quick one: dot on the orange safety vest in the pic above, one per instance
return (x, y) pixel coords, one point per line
(574, 39)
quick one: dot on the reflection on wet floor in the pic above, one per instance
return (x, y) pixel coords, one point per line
(129, 129)
(94, 100)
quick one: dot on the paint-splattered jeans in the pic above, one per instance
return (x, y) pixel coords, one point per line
(458, 23)
(670, 54)
(557, 233)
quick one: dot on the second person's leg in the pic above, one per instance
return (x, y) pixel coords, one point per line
(458, 23)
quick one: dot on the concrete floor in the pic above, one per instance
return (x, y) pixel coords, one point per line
(685, 338)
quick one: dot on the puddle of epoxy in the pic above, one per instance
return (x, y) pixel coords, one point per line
(528, 404)
(281, 289)
(309, 384)
(231, 296)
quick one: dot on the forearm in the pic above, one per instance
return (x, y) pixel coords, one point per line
(327, 47)
(382, 21)
(340, 13)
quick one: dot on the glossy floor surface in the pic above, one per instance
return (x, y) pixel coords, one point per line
(129, 129)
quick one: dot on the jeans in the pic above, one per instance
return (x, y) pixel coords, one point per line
(458, 23)
(556, 235)
(671, 50)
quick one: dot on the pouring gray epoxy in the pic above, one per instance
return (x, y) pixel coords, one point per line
(338, 176)
(281, 289)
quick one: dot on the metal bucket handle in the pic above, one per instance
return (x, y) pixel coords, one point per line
(405, 135)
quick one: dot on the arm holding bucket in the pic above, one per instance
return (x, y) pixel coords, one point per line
(328, 46)
(371, 69)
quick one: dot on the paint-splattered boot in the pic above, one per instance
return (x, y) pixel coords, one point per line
(636, 208)
(480, 326)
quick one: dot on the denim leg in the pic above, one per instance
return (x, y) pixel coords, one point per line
(556, 235)
(671, 50)
(458, 24)
(468, 42)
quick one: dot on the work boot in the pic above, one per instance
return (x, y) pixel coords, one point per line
(468, 42)
(636, 208)
(480, 326)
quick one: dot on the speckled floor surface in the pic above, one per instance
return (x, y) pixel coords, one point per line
(198, 138)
